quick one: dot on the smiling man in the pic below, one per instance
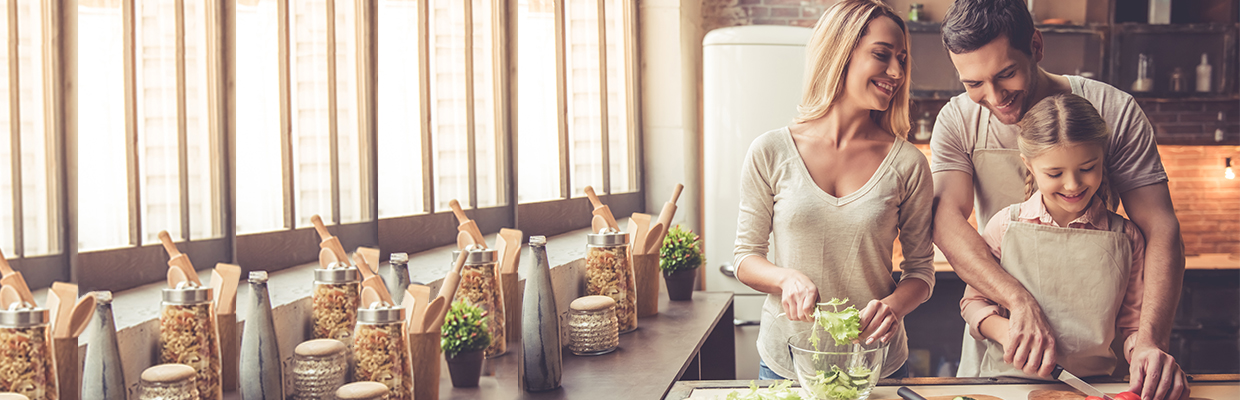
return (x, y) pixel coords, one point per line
(996, 49)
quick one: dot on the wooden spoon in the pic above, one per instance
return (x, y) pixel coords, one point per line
(464, 240)
(225, 278)
(329, 241)
(370, 255)
(19, 283)
(59, 305)
(598, 224)
(5, 268)
(639, 226)
(181, 261)
(466, 224)
(326, 258)
(82, 311)
(8, 296)
(175, 277)
(601, 210)
(509, 244)
(375, 283)
(432, 320)
(370, 297)
(654, 239)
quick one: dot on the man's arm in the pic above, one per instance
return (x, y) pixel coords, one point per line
(1031, 343)
(1155, 373)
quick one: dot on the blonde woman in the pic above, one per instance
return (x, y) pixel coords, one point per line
(836, 188)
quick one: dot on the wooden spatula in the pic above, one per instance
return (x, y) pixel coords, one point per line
(363, 266)
(19, 283)
(464, 240)
(329, 241)
(8, 296)
(60, 300)
(669, 209)
(432, 320)
(326, 258)
(375, 283)
(467, 225)
(175, 277)
(510, 250)
(598, 224)
(80, 317)
(5, 269)
(421, 295)
(600, 209)
(225, 278)
(370, 297)
(408, 302)
(177, 259)
(654, 239)
(371, 255)
(639, 226)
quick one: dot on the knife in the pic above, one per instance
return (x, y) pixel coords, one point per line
(909, 394)
(1076, 383)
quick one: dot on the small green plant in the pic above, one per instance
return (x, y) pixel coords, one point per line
(681, 251)
(464, 330)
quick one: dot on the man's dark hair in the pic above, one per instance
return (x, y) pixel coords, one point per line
(971, 24)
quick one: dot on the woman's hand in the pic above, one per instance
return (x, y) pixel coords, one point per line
(878, 322)
(798, 296)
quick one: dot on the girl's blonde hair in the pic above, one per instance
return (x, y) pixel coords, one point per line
(1064, 120)
(828, 53)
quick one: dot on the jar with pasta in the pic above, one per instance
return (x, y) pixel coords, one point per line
(381, 350)
(187, 336)
(168, 382)
(26, 353)
(609, 272)
(337, 293)
(480, 287)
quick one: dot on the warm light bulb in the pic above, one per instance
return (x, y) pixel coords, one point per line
(1228, 173)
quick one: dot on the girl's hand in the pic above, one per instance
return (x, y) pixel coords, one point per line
(878, 322)
(798, 296)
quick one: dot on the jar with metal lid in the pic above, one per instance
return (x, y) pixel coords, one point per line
(26, 353)
(12, 396)
(320, 366)
(187, 336)
(381, 349)
(168, 382)
(480, 287)
(337, 293)
(592, 326)
(363, 391)
(609, 272)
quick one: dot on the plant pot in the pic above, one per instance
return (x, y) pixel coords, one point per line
(465, 368)
(680, 284)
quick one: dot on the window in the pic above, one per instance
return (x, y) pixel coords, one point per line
(230, 124)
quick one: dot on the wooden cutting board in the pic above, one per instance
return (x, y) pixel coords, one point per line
(1047, 394)
(974, 396)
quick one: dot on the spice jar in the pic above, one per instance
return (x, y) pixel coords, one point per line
(380, 349)
(336, 296)
(363, 391)
(187, 336)
(320, 367)
(26, 353)
(610, 273)
(480, 287)
(592, 326)
(168, 382)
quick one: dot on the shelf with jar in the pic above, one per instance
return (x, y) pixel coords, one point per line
(1183, 61)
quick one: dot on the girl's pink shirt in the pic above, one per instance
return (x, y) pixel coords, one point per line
(975, 306)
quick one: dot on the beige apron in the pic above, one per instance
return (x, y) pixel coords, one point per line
(1078, 277)
(998, 175)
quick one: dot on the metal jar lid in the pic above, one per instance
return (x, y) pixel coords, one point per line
(187, 295)
(23, 317)
(336, 274)
(381, 315)
(607, 238)
(477, 256)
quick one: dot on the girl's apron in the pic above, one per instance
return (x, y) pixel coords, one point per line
(1078, 277)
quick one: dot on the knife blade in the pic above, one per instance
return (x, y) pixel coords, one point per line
(1076, 383)
(908, 394)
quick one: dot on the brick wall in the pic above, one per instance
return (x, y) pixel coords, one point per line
(1207, 204)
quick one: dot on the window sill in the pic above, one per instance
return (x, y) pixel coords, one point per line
(136, 311)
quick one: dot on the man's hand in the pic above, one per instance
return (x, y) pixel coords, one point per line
(798, 296)
(1031, 343)
(1155, 375)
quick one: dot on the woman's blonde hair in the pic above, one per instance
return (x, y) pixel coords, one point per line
(828, 53)
(1064, 120)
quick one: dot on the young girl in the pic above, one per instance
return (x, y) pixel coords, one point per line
(836, 188)
(1081, 261)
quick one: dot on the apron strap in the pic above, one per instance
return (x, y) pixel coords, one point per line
(983, 125)
(1116, 222)
(1014, 212)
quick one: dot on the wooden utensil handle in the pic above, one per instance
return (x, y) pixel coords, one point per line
(5, 268)
(458, 211)
(676, 193)
(319, 227)
(170, 247)
(593, 197)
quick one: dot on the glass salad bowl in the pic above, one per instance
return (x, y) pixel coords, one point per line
(827, 371)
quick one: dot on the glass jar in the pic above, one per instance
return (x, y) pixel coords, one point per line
(480, 288)
(26, 353)
(915, 12)
(168, 382)
(381, 351)
(337, 292)
(320, 366)
(609, 272)
(363, 391)
(187, 336)
(592, 326)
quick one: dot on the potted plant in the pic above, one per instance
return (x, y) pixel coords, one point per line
(679, 258)
(464, 338)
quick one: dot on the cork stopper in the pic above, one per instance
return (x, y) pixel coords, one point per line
(320, 348)
(592, 303)
(362, 391)
(12, 396)
(101, 297)
(168, 373)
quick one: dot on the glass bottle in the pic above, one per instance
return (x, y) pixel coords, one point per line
(1177, 80)
(396, 274)
(363, 391)
(337, 292)
(260, 354)
(103, 375)
(187, 336)
(592, 326)
(541, 363)
(1144, 69)
(26, 351)
(168, 382)
(480, 288)
(923, 127)
(320, 366)
(915, 13)
(609, 272)
(381, 351)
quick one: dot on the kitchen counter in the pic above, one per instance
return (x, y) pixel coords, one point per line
(1213, 387)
